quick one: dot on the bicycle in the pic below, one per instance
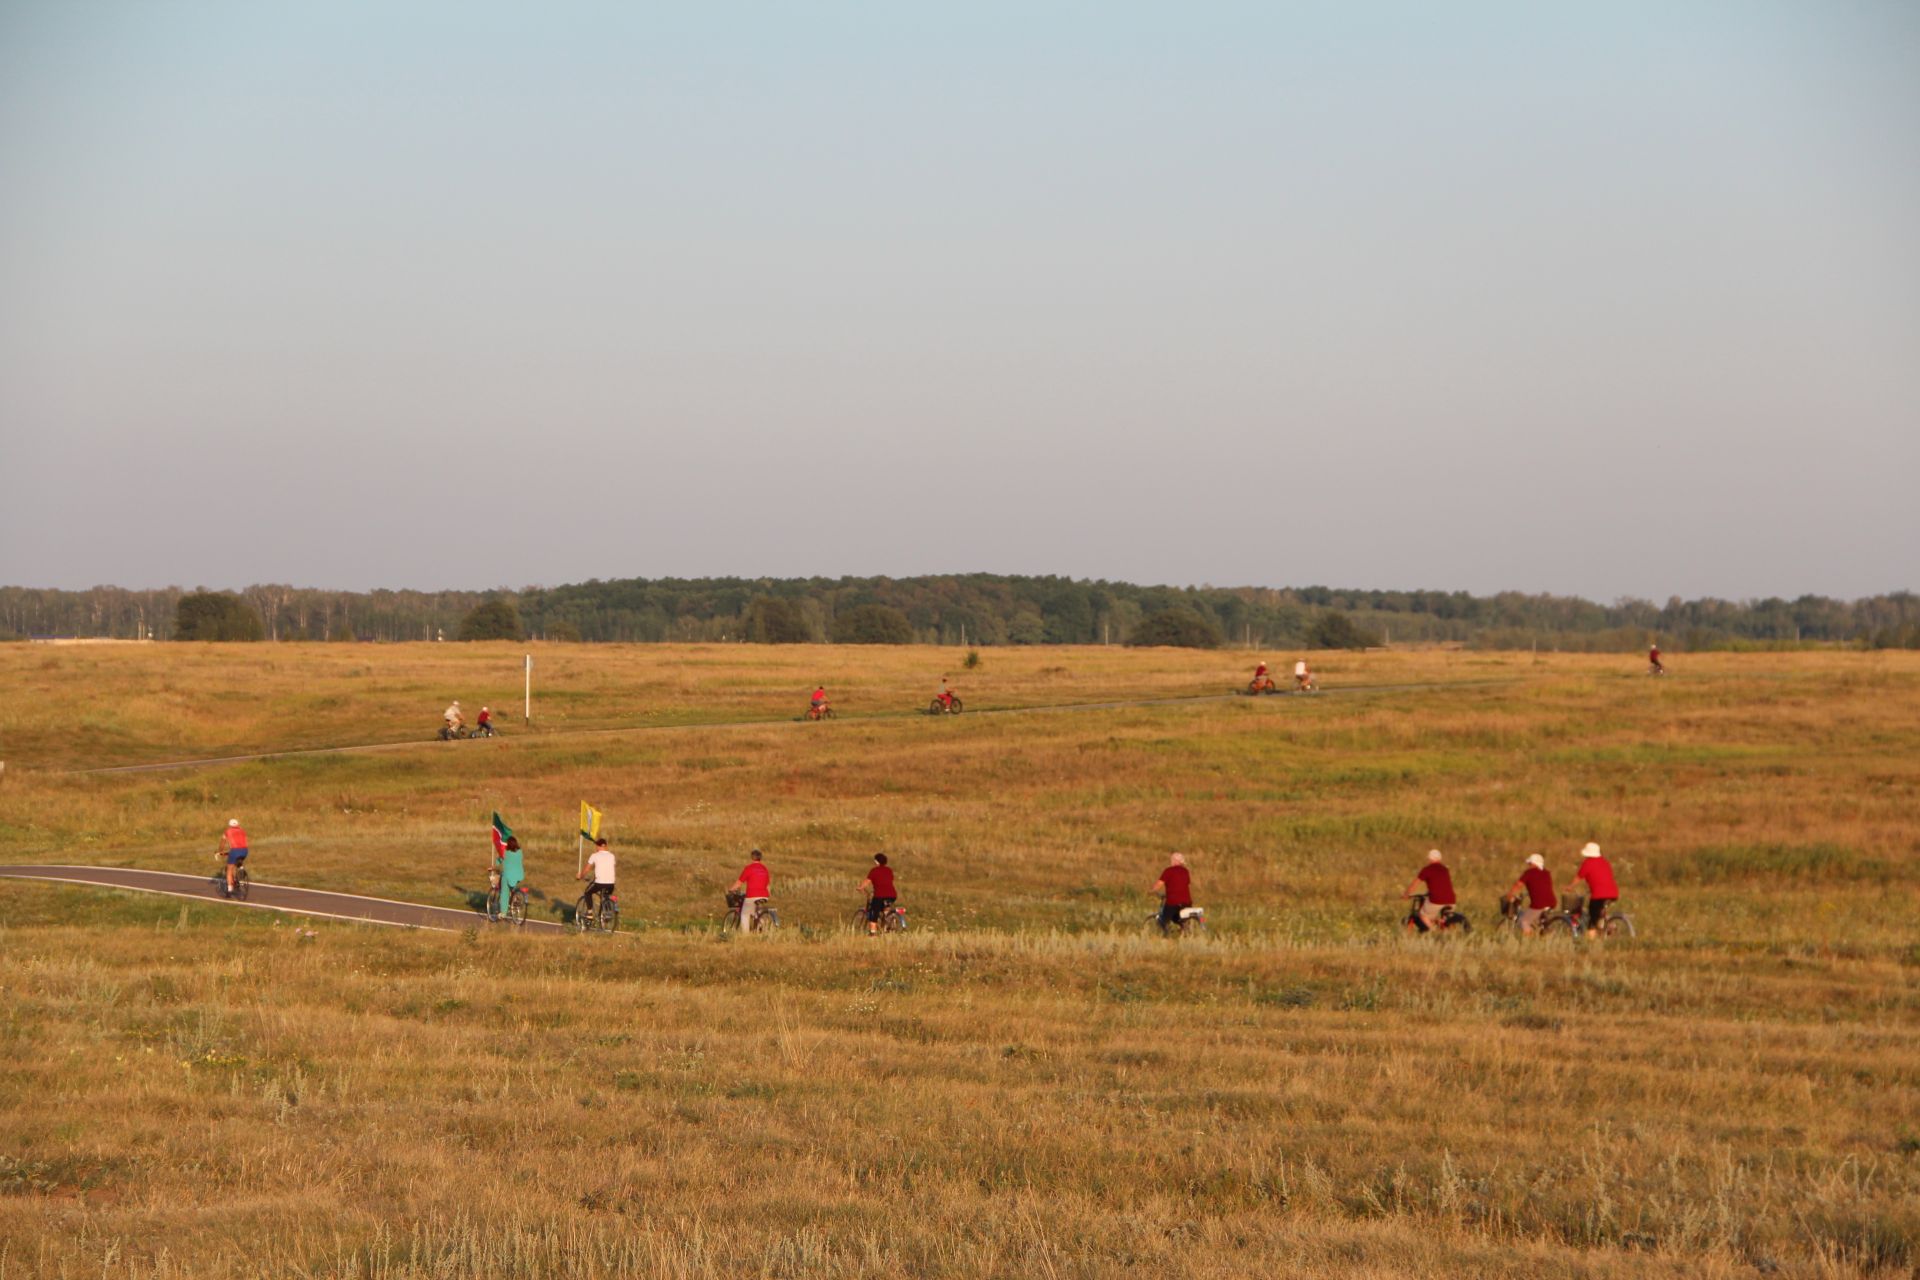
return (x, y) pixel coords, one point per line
(944, 707)
(1192, 922)
(763, 920)
(822, 712)
(1551, 920)
(1449, 918)
(892, 920)
(239, 893)
(516, 912)
(602, 916)
(1613, 924)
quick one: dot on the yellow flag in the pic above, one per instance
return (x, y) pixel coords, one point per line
(589, 821)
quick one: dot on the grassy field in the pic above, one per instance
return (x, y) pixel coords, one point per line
(1028, 1084)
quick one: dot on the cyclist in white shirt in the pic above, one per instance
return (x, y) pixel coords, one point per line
(600, 868)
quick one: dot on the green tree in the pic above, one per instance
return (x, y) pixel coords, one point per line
(1335, 630)
(216, 615)
(1179, 627)
(491, 620)
(777, 620)
(563, 632)
(872, 624)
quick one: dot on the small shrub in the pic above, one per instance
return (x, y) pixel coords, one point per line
(216, 615)
(491, 620)
(972, 662)
(1178, 627)
(872, 624)
(1335, 630)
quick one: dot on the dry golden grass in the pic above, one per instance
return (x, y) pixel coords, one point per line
(1029, 1084)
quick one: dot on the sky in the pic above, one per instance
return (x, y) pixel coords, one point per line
(1608, 300)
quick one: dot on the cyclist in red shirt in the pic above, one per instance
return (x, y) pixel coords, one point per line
(1602, 890)
(753, 885)
(233, 849)
(1654, 664)
(1436, 882)
(878, 886)
(818, 706)
(1175, 887)
(1536, 885)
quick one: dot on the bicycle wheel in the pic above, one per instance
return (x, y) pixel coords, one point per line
(517, 908)
(240, 888)
(1617, 927)
(582, 915)
(954, 707)
(896, 921)
(767, 920)
(1557, 926)
(610, 917)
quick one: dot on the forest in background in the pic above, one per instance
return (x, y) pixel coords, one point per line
(985, 609)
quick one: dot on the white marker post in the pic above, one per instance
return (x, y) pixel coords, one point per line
(526, 714)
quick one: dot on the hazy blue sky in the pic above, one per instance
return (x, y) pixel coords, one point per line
(1614, 299)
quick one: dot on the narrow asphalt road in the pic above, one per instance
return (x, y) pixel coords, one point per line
(431, 743)
(271, 897)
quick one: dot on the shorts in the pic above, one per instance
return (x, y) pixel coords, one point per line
(1529, 917)
(1170, 914)
(236, 856)
(877, 907)
(1597, 907)
(597, 889)
(1431, 911)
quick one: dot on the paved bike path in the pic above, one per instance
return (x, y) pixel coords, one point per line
(271, 897)
(367, 748)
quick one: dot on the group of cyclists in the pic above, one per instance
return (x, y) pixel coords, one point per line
(455, 722)
(746, 898)
(819, 707)
(1262, 682)
(1531, 896)
(1527, 900)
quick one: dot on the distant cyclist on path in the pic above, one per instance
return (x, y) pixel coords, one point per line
(878, 886)
(1175, 887)
(1602, 889)
(233, 849)
(600, 865)
(754, 886)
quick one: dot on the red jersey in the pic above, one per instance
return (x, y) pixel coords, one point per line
(882, 878)
(486, 717)
(1179, 886)
(236, 837)
(819, 696)
(1539, 882)
(756, 878)
(1598, 873)
(1439, 882)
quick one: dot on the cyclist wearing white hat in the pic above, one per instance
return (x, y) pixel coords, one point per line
(1436, 883)
(1536, 883)
(233, 850)
(1602, 890)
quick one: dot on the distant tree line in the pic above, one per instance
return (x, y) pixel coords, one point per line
(975, 609)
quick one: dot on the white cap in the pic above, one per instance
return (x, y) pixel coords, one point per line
(1535, 860)
(233, 822)
(1591, 851)
(1433, 855)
